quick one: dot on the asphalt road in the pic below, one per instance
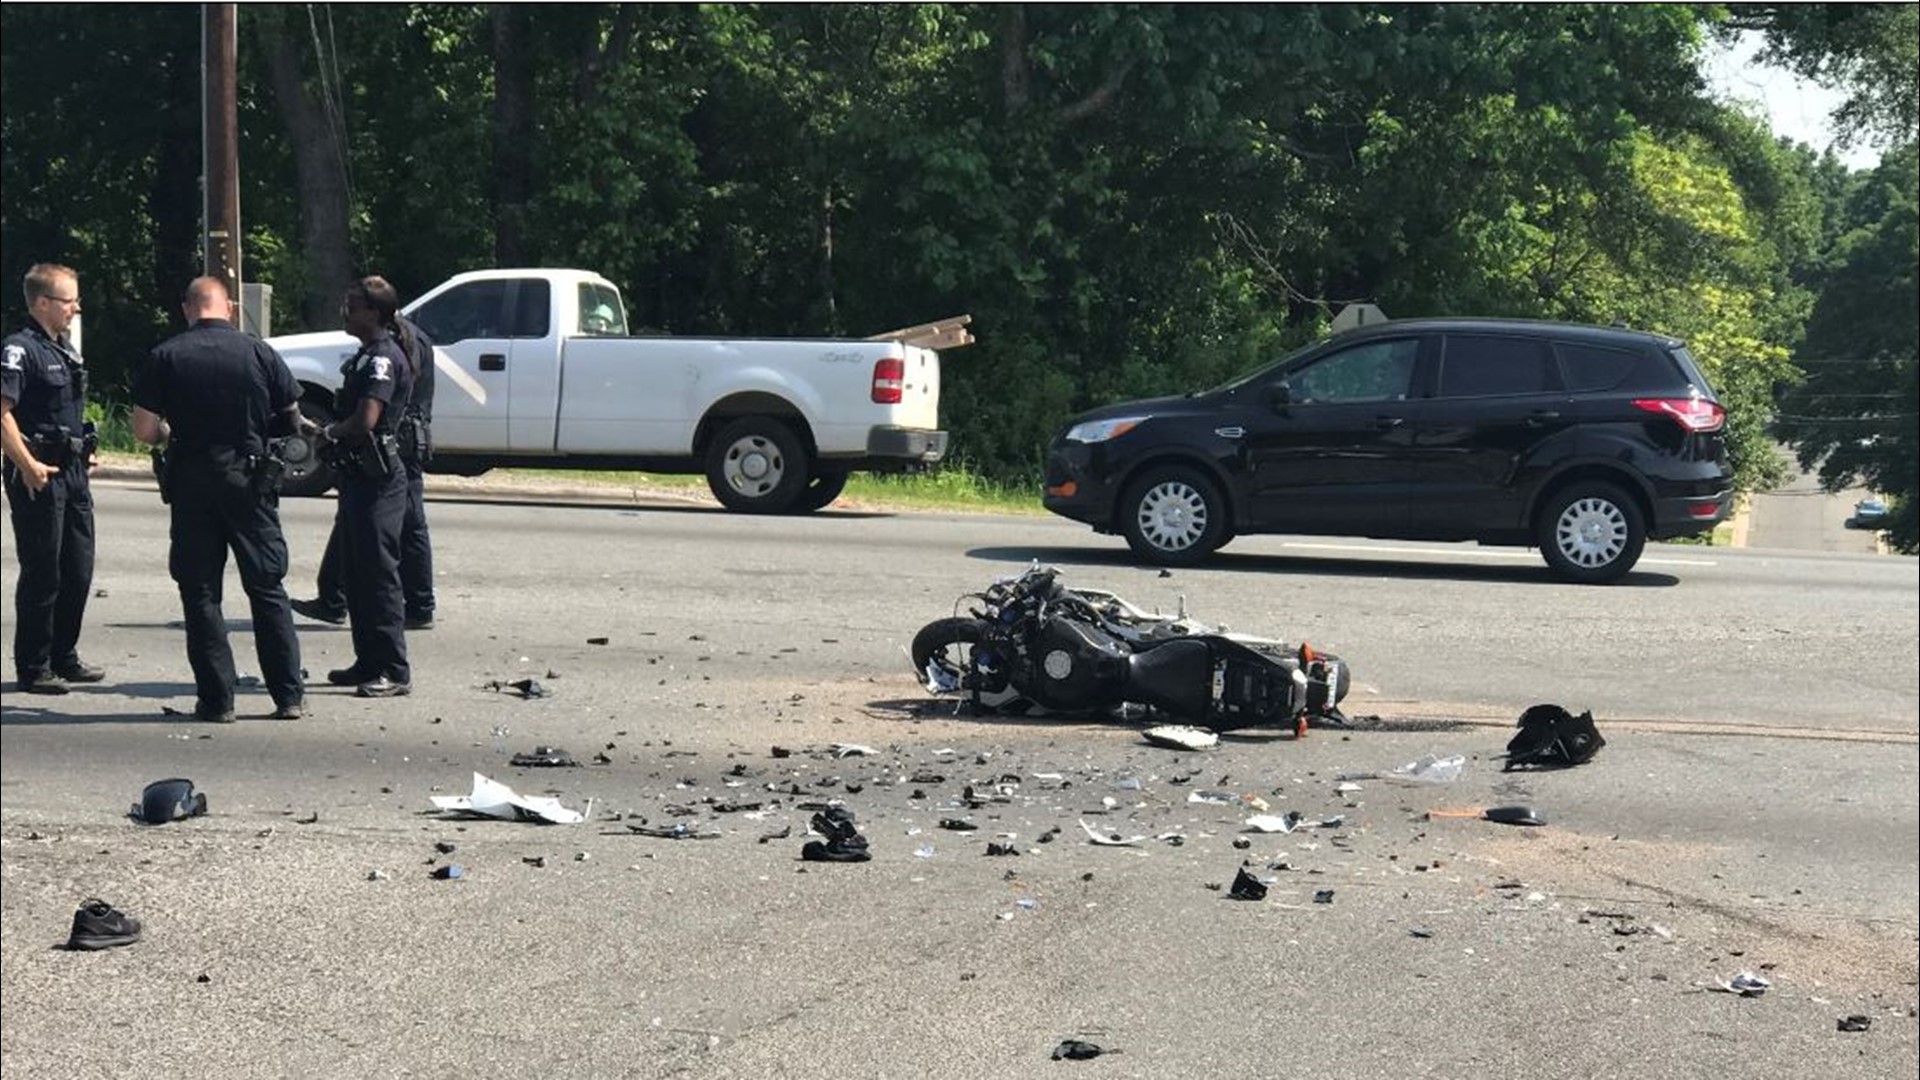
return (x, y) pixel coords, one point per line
(1755, 809)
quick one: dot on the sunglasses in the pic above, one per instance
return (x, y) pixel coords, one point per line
(168, 800)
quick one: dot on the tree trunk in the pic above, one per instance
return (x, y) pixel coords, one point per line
(1015, 82)
(512, 131)
(320, 176)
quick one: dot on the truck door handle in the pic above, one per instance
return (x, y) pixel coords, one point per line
(493, 361)
(1541, 417)
(1388, 423)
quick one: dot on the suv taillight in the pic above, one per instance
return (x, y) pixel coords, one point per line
(1693, 414)
(889, 379)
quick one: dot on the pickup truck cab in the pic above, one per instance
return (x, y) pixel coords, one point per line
(535, 369)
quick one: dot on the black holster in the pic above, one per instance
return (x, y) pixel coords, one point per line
(162, 474)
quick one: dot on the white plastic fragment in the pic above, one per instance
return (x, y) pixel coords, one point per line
(493, 799)
(1108, 839)
(850, 749)
(1746, 984)
(1432, 770)
(1181, 737)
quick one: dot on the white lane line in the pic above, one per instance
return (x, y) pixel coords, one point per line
(1527, 554)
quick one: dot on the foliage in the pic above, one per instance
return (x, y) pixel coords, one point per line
(1129, 199)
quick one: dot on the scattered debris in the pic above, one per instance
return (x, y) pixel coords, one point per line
(1431, 770)
(957, 825)
(1420, 932)
(843, 840)
(1514, 815)
(849, 749)
(1247, 887)
(538, 862)
(545, 757)
(679, 830)
(1107, 839)
(1855, 1022)
(449, 872)
(492, 799)
(378, 875)
(526, 688)
(1323, 896)
(1745, 984)
(1550, 737)
(781, 833)
(597, 641)
(1078, 1049)
(996, 848)
(168, 800)
(1275, 823)
(1181, 737)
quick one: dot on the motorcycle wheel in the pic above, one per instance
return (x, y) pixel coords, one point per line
(948, 644)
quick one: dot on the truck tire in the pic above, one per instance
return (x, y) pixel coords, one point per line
(1591, 533)
(1174, 516)
(820, 492)
(313, 477)
(757, 466)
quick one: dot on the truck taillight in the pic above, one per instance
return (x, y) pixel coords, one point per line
(1693, 414)
(889, 380)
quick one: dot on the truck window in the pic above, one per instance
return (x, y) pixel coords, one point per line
(601, 314)
(473, 310)
(1488, 366)
(533, 310)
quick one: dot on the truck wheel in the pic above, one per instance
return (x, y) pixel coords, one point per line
(310, 478)
(1174, 517)
(820, 492)
(1591, 533)
(756, 466)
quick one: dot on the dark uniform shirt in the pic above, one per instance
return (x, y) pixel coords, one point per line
(217, 387)
(378, 371)
(47, 382)
(423, 359)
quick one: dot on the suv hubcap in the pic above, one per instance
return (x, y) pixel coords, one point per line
(1173, 516)
(754, 466)
(1591, 532)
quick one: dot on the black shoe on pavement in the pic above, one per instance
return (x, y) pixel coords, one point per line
(383, 687)
(319, 612)
(79, 671)
(98, 926)
(209, 715)
(419, 622)
(346, 676)
(47, 683)
(292, 710)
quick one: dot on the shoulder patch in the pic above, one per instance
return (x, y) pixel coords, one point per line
(14, 356)
(381, 370)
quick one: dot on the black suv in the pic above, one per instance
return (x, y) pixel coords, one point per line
(1583, 440)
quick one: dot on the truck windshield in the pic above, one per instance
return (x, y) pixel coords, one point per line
(601, 313)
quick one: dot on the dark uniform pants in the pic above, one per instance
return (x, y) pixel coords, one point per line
(53, 532)
(372, 511)
(416, 558)
(213, 511)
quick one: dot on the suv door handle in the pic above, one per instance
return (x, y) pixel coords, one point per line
(1541, 416)
(1388, 423)
(493, 361)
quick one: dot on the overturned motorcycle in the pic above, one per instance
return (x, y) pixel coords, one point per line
(1032, 644)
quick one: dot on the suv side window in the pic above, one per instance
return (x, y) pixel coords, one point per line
(1593, 369)
(466, 311)
(1375, 371)
(1477, 365)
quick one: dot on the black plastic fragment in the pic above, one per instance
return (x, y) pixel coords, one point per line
(1077, 1050)
(1247, 887)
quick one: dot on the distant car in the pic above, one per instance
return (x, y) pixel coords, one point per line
(1584, 441)
(1868, 514)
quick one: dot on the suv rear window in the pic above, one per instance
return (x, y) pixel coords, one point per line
(1596, 368)
(1693, 371)
(1485, 366)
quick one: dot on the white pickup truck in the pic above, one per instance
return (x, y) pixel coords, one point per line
(534, 368)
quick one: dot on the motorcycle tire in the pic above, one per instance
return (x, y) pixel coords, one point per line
(936, 644)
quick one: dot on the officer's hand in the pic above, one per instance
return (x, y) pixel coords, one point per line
(93, 464)
(36, 475)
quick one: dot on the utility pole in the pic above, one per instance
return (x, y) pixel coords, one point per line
(220, 135)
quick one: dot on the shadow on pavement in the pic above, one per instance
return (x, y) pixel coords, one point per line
(1315, 565)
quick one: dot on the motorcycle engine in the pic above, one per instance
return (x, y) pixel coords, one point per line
(1075, 667)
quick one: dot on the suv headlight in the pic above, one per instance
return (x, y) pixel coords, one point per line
(1095, 431)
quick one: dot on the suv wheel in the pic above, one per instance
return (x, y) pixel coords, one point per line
(1591, 533)
(1174, 517)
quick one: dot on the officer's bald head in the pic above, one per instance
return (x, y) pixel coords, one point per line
(207, 299)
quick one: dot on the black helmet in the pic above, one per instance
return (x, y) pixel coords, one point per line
(168, 800)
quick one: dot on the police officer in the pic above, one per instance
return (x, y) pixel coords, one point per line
(49, 452)
(416, 545)
(373, 490)
(214, 395)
